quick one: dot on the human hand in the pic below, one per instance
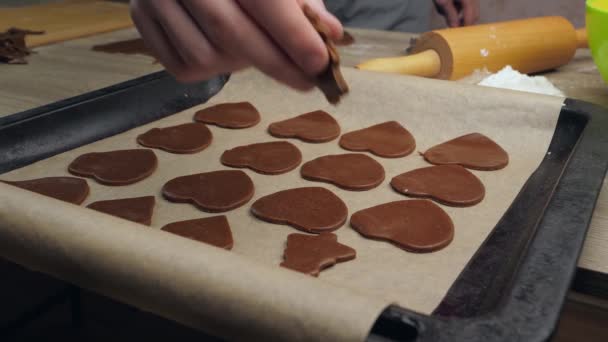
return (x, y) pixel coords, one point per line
(458, 12)
(198, 39)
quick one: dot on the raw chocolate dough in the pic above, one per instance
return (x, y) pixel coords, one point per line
(314, 127)
(120, 167)
(347, 39)
(137, 209)
(215, 191)
(67, 189)
(229, 115)
(416, 225)
(13, 49)
(448, 184)
(128, 47)
(473, 151)
(388, 139)
(311, 254)
(271, 158)
(330, 81)
(311, 209)
(185, 138)
(212, 230)
(351, 171)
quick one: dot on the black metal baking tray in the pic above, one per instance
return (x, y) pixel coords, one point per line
(515, 285)
(42, 132)
(511, 290)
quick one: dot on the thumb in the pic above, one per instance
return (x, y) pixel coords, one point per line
(333, 24)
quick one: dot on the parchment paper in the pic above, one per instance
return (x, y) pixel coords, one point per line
(245, 289)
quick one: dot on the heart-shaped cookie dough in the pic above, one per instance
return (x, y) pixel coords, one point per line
(473, 151)
(451, 185)
(215, 191)
(388, 140)
(229, 115)
(351, 171)
(418, 226)
(314, 127)
(185, 138)
(271, 158)
(311, 209)
(120, 167)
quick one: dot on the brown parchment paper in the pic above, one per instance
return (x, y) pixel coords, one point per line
(244, 292)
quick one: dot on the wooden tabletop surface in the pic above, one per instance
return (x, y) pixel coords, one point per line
(71, 68)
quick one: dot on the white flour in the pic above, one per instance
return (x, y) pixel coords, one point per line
(508, 78)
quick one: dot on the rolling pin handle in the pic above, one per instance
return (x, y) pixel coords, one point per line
(581, 38)
(426, 64)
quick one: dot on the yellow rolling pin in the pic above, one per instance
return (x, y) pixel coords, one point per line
(529, 45)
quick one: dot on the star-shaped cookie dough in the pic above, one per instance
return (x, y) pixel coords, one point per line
(311, 254)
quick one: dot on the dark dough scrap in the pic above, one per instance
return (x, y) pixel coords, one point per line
(314, 127)
(271, 158)
(211, 230)
(13, 49)
(330, 81)
(185, 138)
(473, 151)
(388, 139)
(418, 226)
(351, 171)
(120, 167)
(229, 115)
(215, 191)
(311, 254)
(347, 39)
(67, 189)
(137, 209)
(127, 47)
(311, 209)
(448, 184)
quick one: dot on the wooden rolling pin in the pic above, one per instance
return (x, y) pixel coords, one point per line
(529, 45)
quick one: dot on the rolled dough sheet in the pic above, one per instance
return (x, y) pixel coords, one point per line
(433, 111)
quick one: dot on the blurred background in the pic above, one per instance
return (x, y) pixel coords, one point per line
(499, 10)
(491, 10)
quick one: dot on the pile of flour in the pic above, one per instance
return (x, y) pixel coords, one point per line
(508, 78)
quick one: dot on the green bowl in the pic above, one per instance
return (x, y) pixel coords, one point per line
(597, 29)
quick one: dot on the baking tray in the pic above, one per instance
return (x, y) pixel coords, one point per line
(45, 131)
(512, 289)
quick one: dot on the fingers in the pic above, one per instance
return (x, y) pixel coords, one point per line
(470, 11)
(233, 32)
(292, 31)
(201, 58)
(197, 39)
(180, 45)
(452, 17)
(155, 37)
(335, 26)
(459, 12)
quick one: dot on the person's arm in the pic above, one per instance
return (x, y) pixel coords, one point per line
(197, 39)
(458, 12)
